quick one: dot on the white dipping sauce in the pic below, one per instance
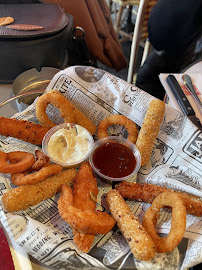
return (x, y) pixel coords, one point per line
(69, 145)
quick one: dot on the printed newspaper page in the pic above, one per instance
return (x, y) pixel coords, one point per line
(175, 163)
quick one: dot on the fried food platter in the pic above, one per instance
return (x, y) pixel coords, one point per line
(107, 251)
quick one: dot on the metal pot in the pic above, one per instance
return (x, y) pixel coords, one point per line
(31, 80)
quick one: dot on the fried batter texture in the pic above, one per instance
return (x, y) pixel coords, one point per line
(58, 101)
(26, 178)
(23, 130)
(118, 120)
(41, 161)
(178, 222)
(83, 120)
(22, 197)
(41, 168)
(15, 162)
(148, 192)
(87, 221)
(85, 192)
(69, 112)
(138, 239)
(150, 129)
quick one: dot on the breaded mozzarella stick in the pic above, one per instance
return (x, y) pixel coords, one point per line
(138, 239)
(150, 129)
(148, 192)
(22, 197)
(23, 130)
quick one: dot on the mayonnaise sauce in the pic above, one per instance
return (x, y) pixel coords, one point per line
(69, 145)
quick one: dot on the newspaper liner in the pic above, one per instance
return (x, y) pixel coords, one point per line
(175, 163)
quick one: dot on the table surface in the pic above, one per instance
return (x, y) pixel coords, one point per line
(192, 70)
(9, 110)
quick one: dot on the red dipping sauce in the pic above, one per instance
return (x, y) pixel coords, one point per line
(114, 160)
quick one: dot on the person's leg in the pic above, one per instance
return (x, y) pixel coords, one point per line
(162, 62)
(129, 25)
(147, 75)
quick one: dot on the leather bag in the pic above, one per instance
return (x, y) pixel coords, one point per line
(21, 50)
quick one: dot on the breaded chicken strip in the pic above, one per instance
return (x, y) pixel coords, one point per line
(23, 130)
(86, 221)
(85, 192)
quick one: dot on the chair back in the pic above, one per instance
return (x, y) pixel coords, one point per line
(126, 2)
(140, 33)
(150, 5)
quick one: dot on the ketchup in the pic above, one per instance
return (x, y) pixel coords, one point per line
(114, 160)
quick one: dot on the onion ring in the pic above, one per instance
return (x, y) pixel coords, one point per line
(178, 223)
(25, 178)
(86, 221)
(19, 161)
(118, 120)
(58, 101)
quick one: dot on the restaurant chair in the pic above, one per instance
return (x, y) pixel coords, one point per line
(140, 36)
(120, 16)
